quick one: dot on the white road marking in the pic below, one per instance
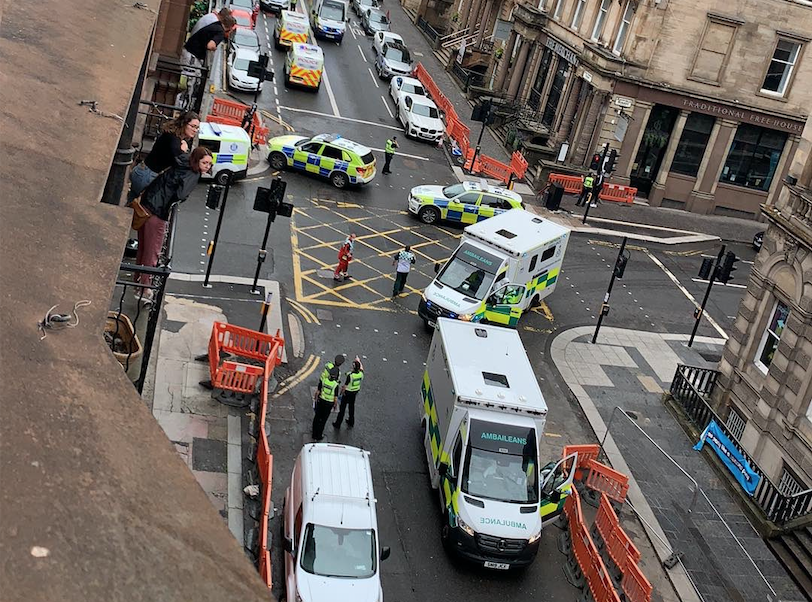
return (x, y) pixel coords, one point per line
(362, 53)
(372, 75)
(319, 114)
(685, 292)
(720, 283)
(388, 110)
(399, 154)
(331, 95)
(354, 37)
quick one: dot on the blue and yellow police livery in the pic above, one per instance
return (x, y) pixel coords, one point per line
(342, 161)
(466, 203)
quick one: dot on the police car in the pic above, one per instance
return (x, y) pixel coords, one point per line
(466, 203)
(342, 161)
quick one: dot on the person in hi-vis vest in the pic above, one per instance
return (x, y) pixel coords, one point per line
(586, 190)
(348, 393)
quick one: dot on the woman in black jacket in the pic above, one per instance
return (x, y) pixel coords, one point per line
(172, 186)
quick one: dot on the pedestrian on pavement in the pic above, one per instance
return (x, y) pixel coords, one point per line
(325, 403)
(596, 189)
(389, 152)
(175, 139)
(586, 189)
(404, 261)
(349, 392)
(172, 186)
(344, 258)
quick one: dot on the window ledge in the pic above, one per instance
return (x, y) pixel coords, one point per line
(708, 82)
(742, 187)
(761, 367)
(773, 95)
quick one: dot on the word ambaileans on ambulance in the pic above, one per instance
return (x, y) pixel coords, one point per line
(503, 266)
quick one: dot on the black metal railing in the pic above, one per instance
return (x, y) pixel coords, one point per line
(157, 114)
(465, 77)
(432, 34)
(690, 388)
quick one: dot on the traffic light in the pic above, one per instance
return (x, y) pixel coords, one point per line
(727, 267)
(213, 196)
(705, 270)
(620, 265)
(609, 165)
(596, 162)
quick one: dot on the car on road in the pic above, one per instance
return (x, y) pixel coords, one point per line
(238, 77)
(274, 6)
(244, 39)
(382, 37)
(361, 6)
(338, 159)
(251, 6)
(420, 118)
(758, 240)
(401, 86)
(393, 59)
(244, 18)
(374, 20)
(330, 527)
(466, 202)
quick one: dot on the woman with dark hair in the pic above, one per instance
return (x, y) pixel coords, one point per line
(172, 186)
(175, 139)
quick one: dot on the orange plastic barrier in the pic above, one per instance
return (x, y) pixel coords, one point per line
(265, 469)
(635, 585)
(494, 168)
(606, 519)
(236, 376)
(228, 108)
(621, 549)
(586, 452)
(608, 481)
(570, 183)
(229, 112)
(518, 165)
(617, 193)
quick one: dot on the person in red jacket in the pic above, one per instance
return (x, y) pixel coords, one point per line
(344, 259)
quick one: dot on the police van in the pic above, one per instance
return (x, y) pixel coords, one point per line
(503, 266)
(230, 146)
(483, 416)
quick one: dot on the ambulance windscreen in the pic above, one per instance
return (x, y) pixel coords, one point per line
(470, 272)
(501, 464)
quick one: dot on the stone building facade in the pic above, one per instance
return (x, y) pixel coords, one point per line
(704, 102)
(765, 386)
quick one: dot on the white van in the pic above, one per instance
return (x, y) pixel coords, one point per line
(330, 531)
(230, 146)
(483, 415)
(304, 65)
(329, 18)
(504, 265)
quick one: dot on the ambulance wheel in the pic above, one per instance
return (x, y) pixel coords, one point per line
(445, 533)
(339, 179)
(535, 302)
(223, 177)
(428, 215)
(278, 161)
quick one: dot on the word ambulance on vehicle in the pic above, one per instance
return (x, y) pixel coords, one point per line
(304, 65)
(503, 266)
(483, 415)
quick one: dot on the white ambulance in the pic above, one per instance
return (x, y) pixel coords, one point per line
(483, 415)
(503, 266)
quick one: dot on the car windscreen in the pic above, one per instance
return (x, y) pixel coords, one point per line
(243, 21)
(241, 64)
(501, 463)
(425, 111)
(333, 11)
(393, 53)
(452, 191)
(246, 39)
(413, 89)
(337, 552)
(376, 17)
(470, 272)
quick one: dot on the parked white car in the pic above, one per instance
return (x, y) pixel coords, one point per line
(420, 118)
(331, 542)
(238, 77)
(401, 86)
(393, 60)
(384, 37)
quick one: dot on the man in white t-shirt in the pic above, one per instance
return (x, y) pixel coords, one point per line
(404, 261)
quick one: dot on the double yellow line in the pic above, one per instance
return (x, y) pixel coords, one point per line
(294, 379)
(307, 315)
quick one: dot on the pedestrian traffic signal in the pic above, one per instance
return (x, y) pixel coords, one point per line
(620, 265)
(727, 267)
(705, 270)
(609, 165)
(596, 161)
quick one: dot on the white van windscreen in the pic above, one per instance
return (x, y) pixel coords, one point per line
(333, 11)
(501, 463)
(470, 272)
(337, 552)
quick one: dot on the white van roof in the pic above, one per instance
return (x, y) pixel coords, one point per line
(221, 131)
(337, 481)
(489, 366)
(516, 231)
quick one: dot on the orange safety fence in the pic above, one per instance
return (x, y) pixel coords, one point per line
(494, 168)
(608, 481)
(587, 555)
(621, 549)
(229, 112)
(586, 452)
(265, 469)
(606, 519)
(618, 193)
(570, 183)
(237, 376)
(635, 586)
(518, 165)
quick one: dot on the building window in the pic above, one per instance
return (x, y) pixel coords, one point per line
(753, 157)
(781, 66)
(600, 19)
(578, 15)
(789, 485)
(692, 144)
(623, 30)
(713, 50)
(559, 7)
(735, 424)
(541, 78)
(772, 336)
(556, 90)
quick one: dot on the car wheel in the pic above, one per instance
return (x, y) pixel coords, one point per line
(223, 177)
(429, 215)
(278, 161)
(339, 179)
